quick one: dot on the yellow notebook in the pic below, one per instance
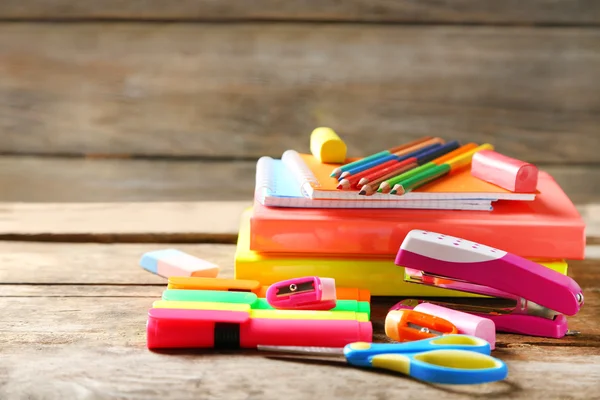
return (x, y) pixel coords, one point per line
(380, 276)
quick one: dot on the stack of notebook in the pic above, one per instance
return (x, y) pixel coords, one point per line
(301, 224)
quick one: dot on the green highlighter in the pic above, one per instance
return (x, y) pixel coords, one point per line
(216, 296)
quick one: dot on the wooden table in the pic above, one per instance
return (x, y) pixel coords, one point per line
(74, 302)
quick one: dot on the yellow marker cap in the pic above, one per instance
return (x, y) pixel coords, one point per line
(327, 147)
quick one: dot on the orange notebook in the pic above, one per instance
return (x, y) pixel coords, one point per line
(547, 227)
(315, 182)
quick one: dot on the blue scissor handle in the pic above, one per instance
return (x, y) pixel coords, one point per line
(457, 367)
(457, 359)
(359, 353)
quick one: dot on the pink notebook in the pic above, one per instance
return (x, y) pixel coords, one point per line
(547, 227)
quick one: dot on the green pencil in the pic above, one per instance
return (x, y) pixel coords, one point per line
(421, 179)
(386, 186)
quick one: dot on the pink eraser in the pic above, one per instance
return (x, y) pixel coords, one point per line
(172, 262)
(466, 324)
(506, 172)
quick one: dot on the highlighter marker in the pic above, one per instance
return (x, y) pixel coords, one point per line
(244, 285)
(176, 328)
(221, 284)
(255, 304)
(273, 314)
(211, 296)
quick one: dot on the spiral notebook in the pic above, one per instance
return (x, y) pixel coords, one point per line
(314, 181)
(278, 186)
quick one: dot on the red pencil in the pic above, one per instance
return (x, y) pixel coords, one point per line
(407, 151)
(352, 180)
(338, 171)
(384, 171)
(370, 188)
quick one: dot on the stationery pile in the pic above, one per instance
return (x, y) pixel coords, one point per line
(328, 215)
(423, 220)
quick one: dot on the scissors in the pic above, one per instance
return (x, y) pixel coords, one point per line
(449, 359)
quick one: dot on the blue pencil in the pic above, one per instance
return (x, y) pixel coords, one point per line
(338, 171)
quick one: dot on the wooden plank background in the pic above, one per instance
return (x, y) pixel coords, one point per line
(246, 90)
(449, 11)
(218, 84)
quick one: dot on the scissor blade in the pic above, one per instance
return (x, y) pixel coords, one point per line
(322, 351)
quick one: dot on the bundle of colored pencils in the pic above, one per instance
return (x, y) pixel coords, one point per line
(402, 169)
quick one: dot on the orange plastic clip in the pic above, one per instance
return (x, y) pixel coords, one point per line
(410, 325)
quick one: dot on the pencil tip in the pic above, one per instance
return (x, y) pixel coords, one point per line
(362, 192)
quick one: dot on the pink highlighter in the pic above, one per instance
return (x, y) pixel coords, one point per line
(179, 328)
(307, 293)
(538, 296)
(466, 324)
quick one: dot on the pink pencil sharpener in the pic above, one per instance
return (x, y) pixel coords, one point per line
(307, 293)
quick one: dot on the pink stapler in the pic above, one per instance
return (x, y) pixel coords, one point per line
(307, 293)
(539, 296)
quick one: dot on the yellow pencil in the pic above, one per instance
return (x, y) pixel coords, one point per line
(438, 171)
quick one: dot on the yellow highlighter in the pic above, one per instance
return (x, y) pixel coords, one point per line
(198, 305)
(269, 314)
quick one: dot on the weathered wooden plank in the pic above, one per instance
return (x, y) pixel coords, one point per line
(110, 222)
(76, 337)
(95, 264)
(150, 292)
(35, 179)
(248, 90)
(52, 180)
(108, 371)
(463, 11)
(176, 222)
(27, 263)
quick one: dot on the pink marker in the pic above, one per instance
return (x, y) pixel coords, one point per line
(178, 328)
(539, 294)
(307, 293)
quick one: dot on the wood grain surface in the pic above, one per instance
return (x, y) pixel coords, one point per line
(26, 263)
(578, 12)
(84, 336)
(152, 222)
(118, 222)
(251, 89)
(58, 180)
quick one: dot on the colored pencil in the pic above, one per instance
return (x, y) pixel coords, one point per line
(399, 155)
(422, 158)
(437, 171)
(349, 181)
(337, 172)
(370, 188)
(388, 185)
